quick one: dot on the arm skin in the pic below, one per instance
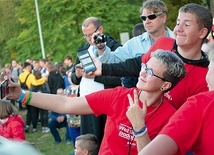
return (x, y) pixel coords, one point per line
(56, 103)
(161, 145)
(130, 68)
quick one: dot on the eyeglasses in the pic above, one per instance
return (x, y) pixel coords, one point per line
(151, 17)
(89, 35)
(150, 72)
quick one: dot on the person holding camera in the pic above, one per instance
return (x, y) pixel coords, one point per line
(88, 84)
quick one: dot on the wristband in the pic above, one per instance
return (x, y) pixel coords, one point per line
(22, 95)
(29, 98)
(141, 134)
(144, 129)
(25, 97)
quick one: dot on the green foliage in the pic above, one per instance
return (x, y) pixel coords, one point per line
(61, 25)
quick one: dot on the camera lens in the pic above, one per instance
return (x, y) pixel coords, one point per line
(101, 38)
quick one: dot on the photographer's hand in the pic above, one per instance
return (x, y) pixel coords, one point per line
(99, 41)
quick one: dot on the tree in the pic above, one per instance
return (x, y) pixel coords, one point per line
(61, 25)
(9, 28)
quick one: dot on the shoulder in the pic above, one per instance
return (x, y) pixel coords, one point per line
(204, 98)
(84, 47)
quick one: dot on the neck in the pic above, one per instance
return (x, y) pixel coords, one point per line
(156, 35)
(149, 99)
(193, 53)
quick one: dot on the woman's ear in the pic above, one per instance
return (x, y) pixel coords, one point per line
(166, 86)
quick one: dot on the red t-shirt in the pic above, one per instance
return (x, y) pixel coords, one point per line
(192, 126)
(118, 137)
(193, 83)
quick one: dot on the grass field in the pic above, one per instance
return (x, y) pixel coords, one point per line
(44, 141)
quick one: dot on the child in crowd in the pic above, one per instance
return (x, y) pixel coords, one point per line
(11, 123)
(86, 145)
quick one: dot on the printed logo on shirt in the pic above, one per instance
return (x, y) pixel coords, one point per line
(168, 96)
(127, 133)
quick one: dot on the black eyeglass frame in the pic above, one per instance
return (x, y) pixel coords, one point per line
(151, 17)
(151, 71)
(89, 35)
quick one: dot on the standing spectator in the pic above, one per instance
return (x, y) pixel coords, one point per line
(44, 71)
(138, 29)
(88, 84)
(11, 123)
(7, 68)
(55, 80)
(58, 121)
(63, 71)
(86, 144)
(42, 88)
(16, 71)
(36, 66)
(29, 60)
(68, 62)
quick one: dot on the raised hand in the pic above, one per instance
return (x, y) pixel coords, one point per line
(135, 113)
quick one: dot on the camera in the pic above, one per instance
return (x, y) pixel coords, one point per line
(101, 38)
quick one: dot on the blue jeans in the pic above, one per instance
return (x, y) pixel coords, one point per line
(74, 133)
(54, 125)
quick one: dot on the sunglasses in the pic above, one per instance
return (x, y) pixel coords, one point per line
(151, 17)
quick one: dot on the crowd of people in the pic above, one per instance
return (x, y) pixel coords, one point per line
(143, 97)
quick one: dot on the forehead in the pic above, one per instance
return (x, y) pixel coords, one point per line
(89, 27)
(147, 12)
(185, 16)
(156, 64)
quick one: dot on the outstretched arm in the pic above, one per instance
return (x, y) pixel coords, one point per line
(130, 68)
(56, 103)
